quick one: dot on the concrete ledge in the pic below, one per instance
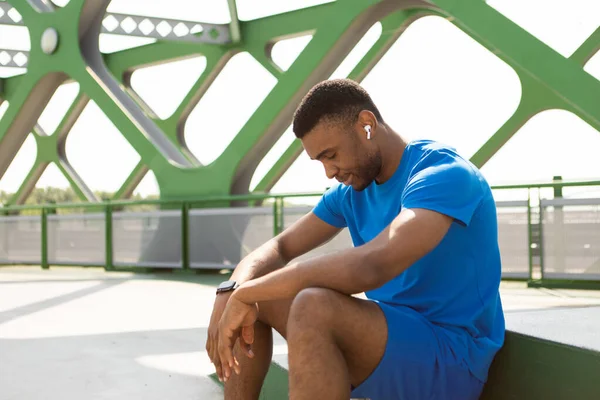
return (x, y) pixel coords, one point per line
(528, 367)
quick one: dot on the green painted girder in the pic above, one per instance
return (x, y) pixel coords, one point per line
(548, 81)
(134, 178)
(28, 184)
(587, 50)
(51, 149)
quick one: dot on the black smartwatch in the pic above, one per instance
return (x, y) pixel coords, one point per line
(227, 286)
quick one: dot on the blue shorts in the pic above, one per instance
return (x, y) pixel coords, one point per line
(417, 363)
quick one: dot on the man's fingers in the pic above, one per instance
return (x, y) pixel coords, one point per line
(219, 372)
(248, 334)
(226, 356)
(248, 339)
(212, 351)
(236, 366)
(218, 367)
(209, 347)
(247, 349)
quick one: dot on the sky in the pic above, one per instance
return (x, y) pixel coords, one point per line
(435, 82)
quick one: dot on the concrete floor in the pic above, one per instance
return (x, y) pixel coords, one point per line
(72, 333)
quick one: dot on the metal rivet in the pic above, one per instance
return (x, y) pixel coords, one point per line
(49, 40)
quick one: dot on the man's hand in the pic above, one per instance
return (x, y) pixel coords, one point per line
(212, 341)
(236, 322)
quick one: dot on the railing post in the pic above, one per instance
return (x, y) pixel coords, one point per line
(44, 228)
(281, 214)
(541, 233)
(530, 234)
(558, 228)
(185, 256)
(275, 217)
(108, 237)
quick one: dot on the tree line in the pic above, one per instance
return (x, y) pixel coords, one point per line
(53, 195)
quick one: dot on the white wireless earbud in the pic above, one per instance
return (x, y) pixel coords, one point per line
(368, 130)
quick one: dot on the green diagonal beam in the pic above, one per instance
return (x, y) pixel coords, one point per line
(28, 184)
(79, 186)
(392, 27)
(261, 56)
(69, 119)
(82, 191)
(132, 181)
(174, 125)
(280, 167)
(9, 145)
(587, 49)
(532, 102)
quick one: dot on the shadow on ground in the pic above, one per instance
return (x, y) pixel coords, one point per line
(157, 364)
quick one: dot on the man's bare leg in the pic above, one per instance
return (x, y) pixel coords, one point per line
(248, 384)
(334, 341)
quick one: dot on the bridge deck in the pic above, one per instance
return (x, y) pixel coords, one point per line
(82, 333)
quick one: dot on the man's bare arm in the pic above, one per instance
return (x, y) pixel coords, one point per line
(412, 235)
(306, 234)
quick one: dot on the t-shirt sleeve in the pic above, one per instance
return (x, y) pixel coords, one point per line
(329, 207)
(450, 187)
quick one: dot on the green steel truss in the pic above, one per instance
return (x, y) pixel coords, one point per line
(548, 80)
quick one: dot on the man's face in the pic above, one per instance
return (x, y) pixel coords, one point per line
(345, 153)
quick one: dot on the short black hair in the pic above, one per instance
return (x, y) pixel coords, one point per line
(335, 99)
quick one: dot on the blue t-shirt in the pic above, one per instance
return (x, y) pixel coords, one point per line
(456, 285)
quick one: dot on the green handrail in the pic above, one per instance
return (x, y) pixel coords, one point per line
(553, 184)
(254, 197)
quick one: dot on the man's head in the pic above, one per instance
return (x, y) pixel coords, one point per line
(337, 124)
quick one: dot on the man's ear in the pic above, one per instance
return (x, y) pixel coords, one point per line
(368, 123)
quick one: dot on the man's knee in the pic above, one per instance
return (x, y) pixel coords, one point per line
(312, 306)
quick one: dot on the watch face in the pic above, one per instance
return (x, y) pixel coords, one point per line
(226, 285)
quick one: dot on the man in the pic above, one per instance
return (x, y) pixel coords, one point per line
(423, 223)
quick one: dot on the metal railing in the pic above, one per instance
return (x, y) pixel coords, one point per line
(540, 238)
